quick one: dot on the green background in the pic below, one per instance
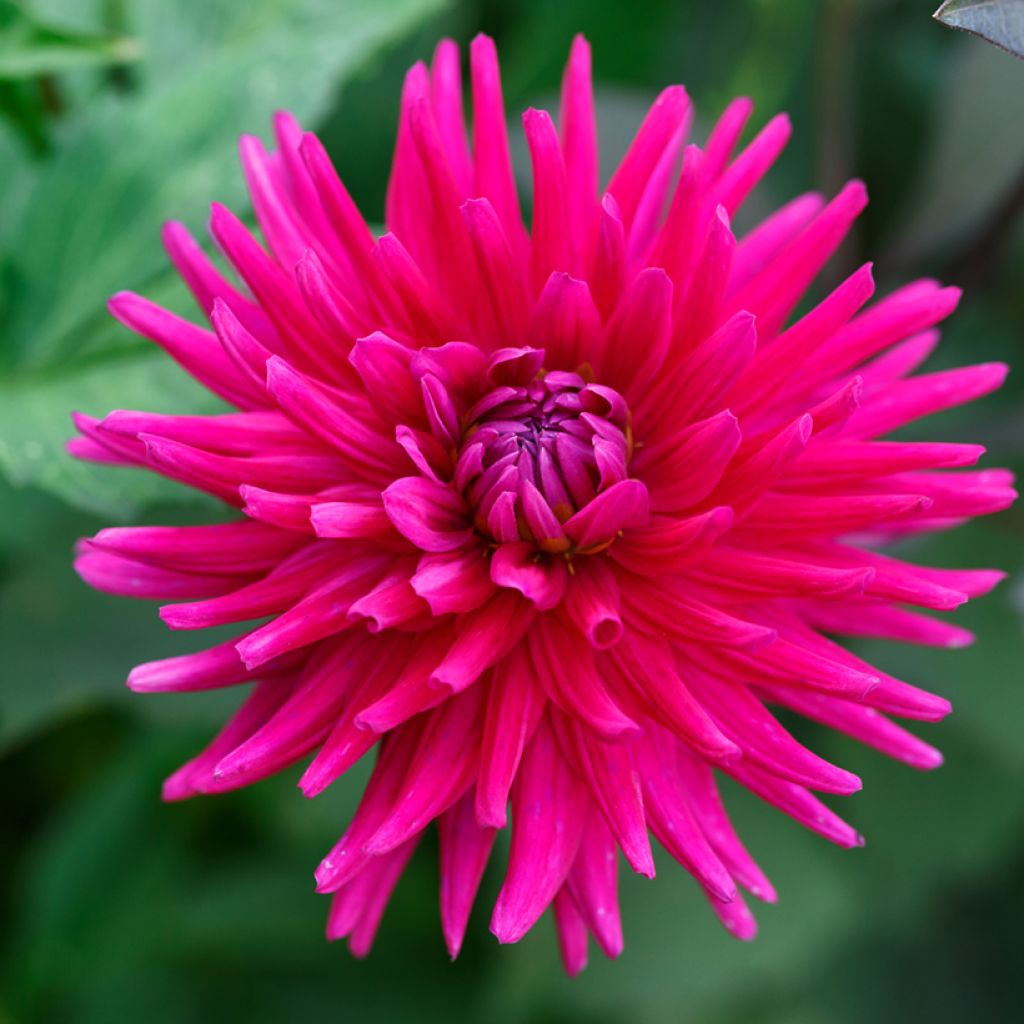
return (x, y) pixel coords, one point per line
(115, 907)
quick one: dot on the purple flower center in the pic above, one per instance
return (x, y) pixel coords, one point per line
(535, 455)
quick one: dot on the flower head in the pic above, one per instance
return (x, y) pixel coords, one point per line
(551, 518)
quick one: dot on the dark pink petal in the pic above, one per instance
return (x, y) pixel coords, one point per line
(726, 133)
(743, 174)
(862, 723)
(502, 303)
(700, 311)
(773, 366)
(383, 366)
(748, 478)
(611, 771)
(276, 291)
(593, 885)
(772, 294)
(493, 178)
(224, 475)
(878, 619)
(668, 608)
(348, 739)
(565, 321)
(664, 127)
(564, 664)
(464, 849)
(455, 581)
(622, 506)
(327, 416)
(204, 670)
(237, 547)
(441, 770)
(579, 137)
(196, 775)
(321, 613)
(764, 242)
(408, 694)
(127, 578)
(635, 341)
(706, 376)
(422, 312)
(549, 811)
(903, 313)
(593, 604)
(764, 742)
(669, 545)
(356, 910)
(797, 802)
(514, 367)
(794, 516)
(667, 803)
(431, 515)
(194, 349)
(304, 720)
(350, 519)
(289, 582)
(645, 666)
(704, 802)
(207, 284)
(682, 472)
(756, 575)
(391, 604)
(904, 401)
(446, 99)
(514, 706)
(572, 932)
(289, 511)
(347, 858)
(246, 433)
(608, 273)
(539, 578)
(551, 236)
(485, 636)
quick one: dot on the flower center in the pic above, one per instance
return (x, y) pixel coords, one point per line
(534, 456)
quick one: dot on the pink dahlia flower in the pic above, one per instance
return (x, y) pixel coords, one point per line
(550, 516)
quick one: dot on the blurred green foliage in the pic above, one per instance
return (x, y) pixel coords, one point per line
(121, 113)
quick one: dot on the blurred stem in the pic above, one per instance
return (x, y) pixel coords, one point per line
(116, 20)
(975, 263)
(835, 112)
(50, 95)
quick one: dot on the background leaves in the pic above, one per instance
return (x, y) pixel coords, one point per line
(117, 907)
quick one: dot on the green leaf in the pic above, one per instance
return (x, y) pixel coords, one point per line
(35, 425)
(170, 149)
(999, 21)
(30, 47)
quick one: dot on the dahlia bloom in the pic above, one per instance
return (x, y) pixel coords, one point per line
(551, 517)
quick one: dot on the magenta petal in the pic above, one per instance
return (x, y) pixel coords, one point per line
(622, 506)
(465, 847)
(429, 514)
(540, 578)
(549, 807)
